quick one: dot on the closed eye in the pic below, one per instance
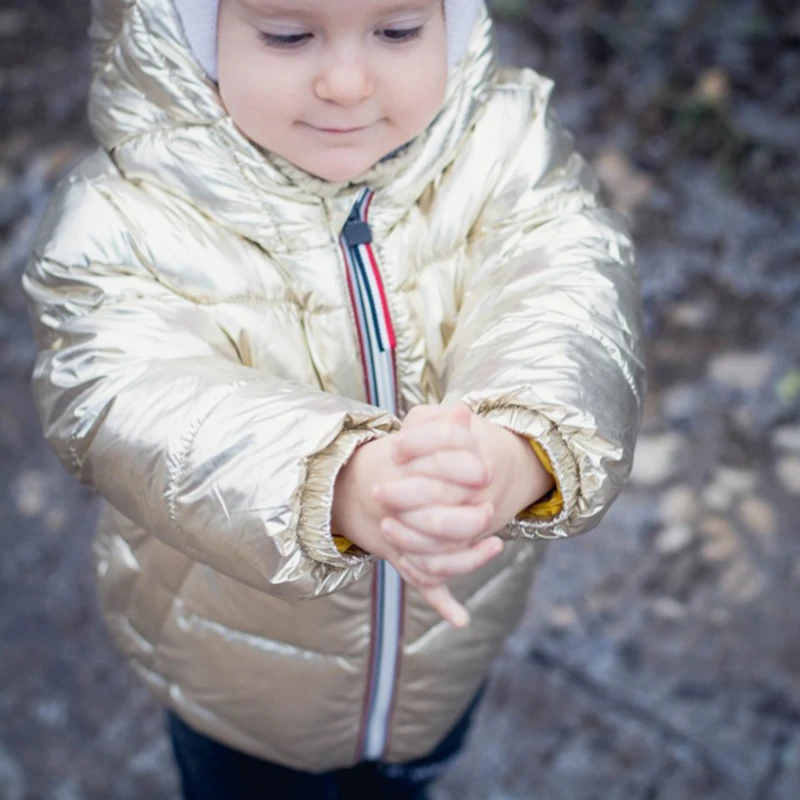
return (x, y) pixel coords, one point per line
(400, 35)
(284, 41)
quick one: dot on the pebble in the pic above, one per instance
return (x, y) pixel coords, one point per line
(737, 481)
(722, 539)
(716, 498)
(788, 472)
(682, 402)
(679, 504)
(759, 516)
(719, 616)
(728, 484)
(693, 315)
(562, 617)
(674, 539)
(657, 458)
(55, 520)
(713, 86)
(787, 438)
(743, 419)
(746, 371)
(31, 493)
(628, 186)
(743, 582)
(668, 608)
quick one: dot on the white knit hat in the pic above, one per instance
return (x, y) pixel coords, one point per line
(199, 18)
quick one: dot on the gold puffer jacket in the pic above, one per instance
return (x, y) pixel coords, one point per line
(199, 369)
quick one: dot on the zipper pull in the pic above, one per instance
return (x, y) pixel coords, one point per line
(356, 232)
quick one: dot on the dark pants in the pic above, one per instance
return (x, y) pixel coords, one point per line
(211, 771)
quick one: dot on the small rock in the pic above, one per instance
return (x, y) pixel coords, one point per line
(717, 497)
(743, 582)
(668, 608)
(693, 315)
(743, 419)
(788, 472)
(787, 438)
(742, 370)
(562, 617)
(737, 481)
(51, 713)
(628, 186)
(723, 540)
(679, 504)
(681, 402)
(719, 616)
(713, 87)
(31, 493)
(674, 539)
(759, 516)
(55, 520)
(728, 484)
(657, 458)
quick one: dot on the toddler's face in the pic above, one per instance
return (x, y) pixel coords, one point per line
(332, 85)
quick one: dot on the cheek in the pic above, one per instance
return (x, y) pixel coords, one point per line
(257, 105)
(421, 88)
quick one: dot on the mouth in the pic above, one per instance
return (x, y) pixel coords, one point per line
(339, 131)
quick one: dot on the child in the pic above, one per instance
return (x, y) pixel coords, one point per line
(321, 317)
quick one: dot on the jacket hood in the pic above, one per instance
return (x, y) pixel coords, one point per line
(156, 111)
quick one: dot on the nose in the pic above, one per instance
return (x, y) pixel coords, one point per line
(345, 81)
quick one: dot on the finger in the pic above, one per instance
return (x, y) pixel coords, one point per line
(453, 466)
(445, 566)
(430, 412)
(408, 541)
(459, 523)
(413, 575)
(421, 491)
(442, 601)
(422, 440)
(424, 413)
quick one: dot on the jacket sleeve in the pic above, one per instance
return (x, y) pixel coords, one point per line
(547, 342)
(142, 396)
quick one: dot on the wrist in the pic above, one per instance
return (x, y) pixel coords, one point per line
(519, 478)
(355, 515)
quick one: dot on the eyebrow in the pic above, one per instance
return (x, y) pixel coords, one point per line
(270, 8)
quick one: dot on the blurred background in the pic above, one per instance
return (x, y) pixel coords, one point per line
(660, 658)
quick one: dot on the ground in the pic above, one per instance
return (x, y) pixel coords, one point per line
(659, 658)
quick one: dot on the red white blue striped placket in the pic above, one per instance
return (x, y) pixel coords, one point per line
(377, 344)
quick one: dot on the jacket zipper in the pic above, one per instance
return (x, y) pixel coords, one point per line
(377, 344)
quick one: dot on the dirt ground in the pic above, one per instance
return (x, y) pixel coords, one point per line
(660, 657)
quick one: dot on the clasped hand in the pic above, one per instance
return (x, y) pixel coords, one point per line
(430, 498)
(438, 513)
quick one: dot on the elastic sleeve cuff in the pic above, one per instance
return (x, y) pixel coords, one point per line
(552, 503)
(316, 502)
